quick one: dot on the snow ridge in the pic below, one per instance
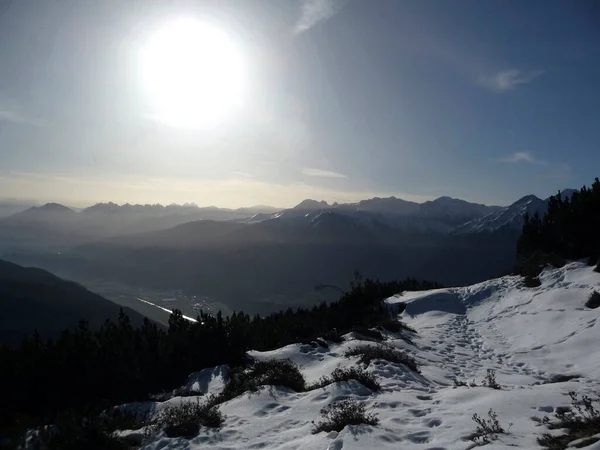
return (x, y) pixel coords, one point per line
(528, 337)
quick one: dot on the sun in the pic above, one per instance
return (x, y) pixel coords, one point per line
(193, 73)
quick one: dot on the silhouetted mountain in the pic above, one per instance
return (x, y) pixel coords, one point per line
(389, 205)
(455, 209)
(33, 299)
(54, 227)
(187, 235)
(311, 205)
(47, 212)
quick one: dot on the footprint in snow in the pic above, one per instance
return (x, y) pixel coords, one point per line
(547, 409)
(420, 437)
(419, 412)
(432, 423)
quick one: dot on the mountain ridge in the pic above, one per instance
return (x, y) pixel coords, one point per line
(35, 299)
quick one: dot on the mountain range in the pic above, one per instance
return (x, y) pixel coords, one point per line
(262, 259)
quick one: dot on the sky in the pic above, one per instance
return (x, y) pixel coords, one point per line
(342, 100)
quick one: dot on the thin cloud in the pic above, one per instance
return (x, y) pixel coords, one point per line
(312, 172)
(316, 11)
(508, 80)
(7, 115)
(521, 157)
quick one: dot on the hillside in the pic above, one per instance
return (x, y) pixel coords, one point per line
(540, 344)
(33, 299)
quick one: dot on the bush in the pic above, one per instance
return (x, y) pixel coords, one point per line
(582, 420)
(333, 336)
(373, 334)
(343, 413)
(368, 353)
(490, 380)
(84, 429)
(273, 372)
(186, 419)
(597, 269)
(459, 383)
(395, 326)
(487, 429)
(531, 281)
(594, 300)
(347, 374)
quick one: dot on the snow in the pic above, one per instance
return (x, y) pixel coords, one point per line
(510, 217)
(527, 336)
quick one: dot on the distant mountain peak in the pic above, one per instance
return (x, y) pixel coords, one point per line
(312, 204)
(54, 207)
(526, 200)
(48, 208)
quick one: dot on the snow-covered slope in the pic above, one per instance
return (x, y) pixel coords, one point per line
(528, 336)
(510, 217)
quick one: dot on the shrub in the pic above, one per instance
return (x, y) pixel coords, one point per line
(531, 281)
(458, 383)
(396, 326)
(273, 372)
(373, 334)
(490, 380)
(185, 420)
(582, 420)
(597, 269)
(333, 336)
(368, 353)
(340, 414)
(487, 429)
(124, 419)
(77, 430)
(347, 374)
(594, 300)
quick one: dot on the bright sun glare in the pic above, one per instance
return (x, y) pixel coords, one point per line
(193, 73)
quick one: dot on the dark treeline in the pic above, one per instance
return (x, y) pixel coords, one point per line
(569, 228)
(121, 363)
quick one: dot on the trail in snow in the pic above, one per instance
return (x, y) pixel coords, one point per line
(527, 336)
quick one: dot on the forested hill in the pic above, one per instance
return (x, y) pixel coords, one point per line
(569, 229)
(33, 299)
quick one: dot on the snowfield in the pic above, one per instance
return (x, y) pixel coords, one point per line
(528, 336)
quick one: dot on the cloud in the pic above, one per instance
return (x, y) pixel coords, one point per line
(315, 11)
(508, 80)
(8, 115)
(312, 172)
(520, 157)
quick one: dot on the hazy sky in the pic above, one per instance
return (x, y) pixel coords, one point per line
(343, 99)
